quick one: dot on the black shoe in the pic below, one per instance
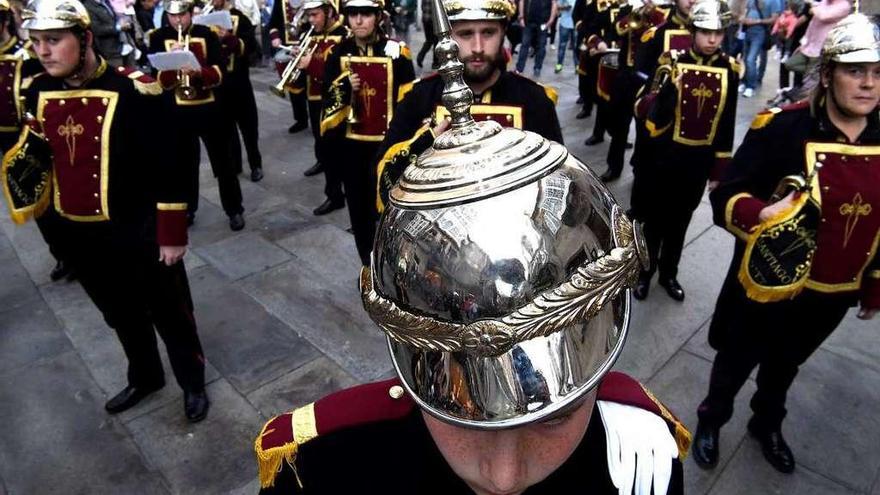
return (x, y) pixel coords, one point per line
(584, 113)
(195, 405)
(673, 288)
(609, 176)
(190, 218)
(128, 398)
(315, 169)
(642, 286)
(236, 222)
(327, 206)
(60, 271)
(593, 141)
(705, 446)
(257, 174)
(580, 100)
(297, 127)
(774, 448)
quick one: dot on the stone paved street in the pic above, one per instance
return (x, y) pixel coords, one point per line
(282, 324)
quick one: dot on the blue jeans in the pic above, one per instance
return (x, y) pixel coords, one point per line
(752, 48)
(566, 39)
(530, 32)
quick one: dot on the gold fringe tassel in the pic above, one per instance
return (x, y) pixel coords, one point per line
(269, 461)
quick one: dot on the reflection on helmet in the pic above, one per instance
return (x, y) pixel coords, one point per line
(712, 15)
(478, 10)
(42, 15)
(854, 39)
(500, 272)
(177, 6)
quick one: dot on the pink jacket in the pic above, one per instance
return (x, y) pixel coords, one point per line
(825, 16)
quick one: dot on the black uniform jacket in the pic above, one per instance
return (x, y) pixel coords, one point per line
(790, 141)
(237, 47)
(513, 101)
(671, 35)
(384, 68)
(693, 126)
(391, 452)
(106, 165)
(205, 45)
(18, 65)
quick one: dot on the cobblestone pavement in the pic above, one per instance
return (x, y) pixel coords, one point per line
(282, 325)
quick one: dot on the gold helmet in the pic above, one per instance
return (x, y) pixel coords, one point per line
(478, 10)
(42, 15)
(366, 4)
(177, 6)
(854, 39)
(4, 5)
(712, 15)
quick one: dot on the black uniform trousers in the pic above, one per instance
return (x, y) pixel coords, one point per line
(358, 160)
(136, 294)
(590, 81)
(678, 180)
(777, 337)
(208, 123)
(300, 107)
(620, 115)
(242, 107)
(430, 41)
(332, 176)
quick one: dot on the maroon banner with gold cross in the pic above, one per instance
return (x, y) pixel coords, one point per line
(77, 125)
(608, 68)
(700, 104)
(317, 65)
(506, 115)
(372, 104)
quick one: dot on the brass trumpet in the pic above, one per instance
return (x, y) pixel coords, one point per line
(185, 90)
(291, 70)
(352, 117)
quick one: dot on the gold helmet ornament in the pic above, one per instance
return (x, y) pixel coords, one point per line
(501, 271)
(42, 15)
(711, 15)
(854, 39)
(4, 5)
(363, 4)
(479, 10)
(177, 6)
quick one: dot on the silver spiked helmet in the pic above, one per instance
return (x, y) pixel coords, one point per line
(501, 270)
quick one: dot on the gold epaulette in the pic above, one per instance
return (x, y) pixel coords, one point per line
(143, 83)
(763, 118)
(667, 58)
(649, 34)
(551, 93)
(404, 89)
(405, 51)
(280, 439)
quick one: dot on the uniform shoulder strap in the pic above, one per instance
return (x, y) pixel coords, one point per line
(283, 435)
(623, 389)
(143, 83)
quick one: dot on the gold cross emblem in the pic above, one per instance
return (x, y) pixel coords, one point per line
(701, 94)
(367, 94)
(69, 131)
(853, 211)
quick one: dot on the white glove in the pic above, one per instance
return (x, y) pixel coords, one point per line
(392, 49)
(640, 449)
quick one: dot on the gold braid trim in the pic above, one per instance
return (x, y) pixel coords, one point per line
(683, 437)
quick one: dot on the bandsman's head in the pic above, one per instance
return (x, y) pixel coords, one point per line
(479, 26)
(850, 67)
(60, 31)
(364, 17)
(707, 21)
(319, 13)
(179, 12)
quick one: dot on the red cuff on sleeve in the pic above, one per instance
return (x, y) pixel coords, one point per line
(167, 78)
(721, 163)
(643, 105)
(274, 34)
(171, 229)
(870, 297)
(593, 41)
(742, 214)
(211, 76)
